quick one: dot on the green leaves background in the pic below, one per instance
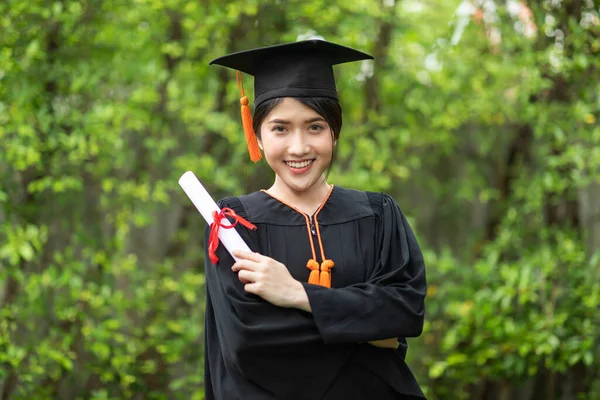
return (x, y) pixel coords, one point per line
(484, 128)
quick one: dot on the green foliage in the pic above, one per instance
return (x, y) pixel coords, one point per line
(486, 134)
(509, 319)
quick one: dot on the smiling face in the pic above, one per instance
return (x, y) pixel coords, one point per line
(298, 145)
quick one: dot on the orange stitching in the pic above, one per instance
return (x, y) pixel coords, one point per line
(312, 245)
(306, 220)
(317, 223)
(319, 274)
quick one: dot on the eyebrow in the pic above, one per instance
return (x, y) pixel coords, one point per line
(285, 122)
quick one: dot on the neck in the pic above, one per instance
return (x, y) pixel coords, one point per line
(310, 198)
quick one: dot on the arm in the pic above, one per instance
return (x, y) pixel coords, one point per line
(368, 312)
(391, 303)
(272, 281)
(245, 322)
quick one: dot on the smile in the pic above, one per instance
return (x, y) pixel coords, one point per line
(299, 165)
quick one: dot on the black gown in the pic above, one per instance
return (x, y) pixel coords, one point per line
(257, 351)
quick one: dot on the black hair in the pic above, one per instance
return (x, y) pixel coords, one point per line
(327, 108)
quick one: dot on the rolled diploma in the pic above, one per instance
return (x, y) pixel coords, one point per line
(206, 205)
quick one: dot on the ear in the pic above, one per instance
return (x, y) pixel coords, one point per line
(260, 146)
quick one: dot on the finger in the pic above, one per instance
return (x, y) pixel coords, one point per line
(386, 343)
(389, 341)
(244, 264)
(244, 281)
(252, 288)
(248, 255)
(246, 276)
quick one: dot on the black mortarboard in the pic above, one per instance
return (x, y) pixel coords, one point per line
(298, 69)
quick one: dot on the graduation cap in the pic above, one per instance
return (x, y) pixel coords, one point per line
(298, 69)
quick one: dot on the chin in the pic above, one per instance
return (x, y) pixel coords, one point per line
(297, 187)
(302, 187)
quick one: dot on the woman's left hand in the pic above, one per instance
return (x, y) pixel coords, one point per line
(386, 343)
(270, 280)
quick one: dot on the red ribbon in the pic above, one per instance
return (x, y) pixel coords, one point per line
(214, 229)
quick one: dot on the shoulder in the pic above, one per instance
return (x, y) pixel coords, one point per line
(243, 205)
(362, 203)
(380, 201)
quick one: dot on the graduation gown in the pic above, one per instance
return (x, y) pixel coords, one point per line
(255, 350)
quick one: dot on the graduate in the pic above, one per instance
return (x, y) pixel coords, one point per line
(335, 283)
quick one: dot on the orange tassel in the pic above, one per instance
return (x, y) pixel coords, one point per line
(325, 278)
(313, 278)
(251, 140)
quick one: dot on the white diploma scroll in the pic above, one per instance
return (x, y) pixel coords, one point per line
(206, 205)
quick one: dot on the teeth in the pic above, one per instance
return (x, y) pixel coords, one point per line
(299, 164)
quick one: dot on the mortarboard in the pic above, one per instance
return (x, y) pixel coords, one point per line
(298, 69)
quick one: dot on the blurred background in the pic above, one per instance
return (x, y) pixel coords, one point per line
(479, 116)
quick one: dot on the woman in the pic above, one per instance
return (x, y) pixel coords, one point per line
(335, 282)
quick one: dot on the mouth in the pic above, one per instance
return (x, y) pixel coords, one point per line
(299, 164)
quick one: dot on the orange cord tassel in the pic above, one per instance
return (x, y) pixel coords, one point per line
(251, 140)
(325, 276)
(314, 276)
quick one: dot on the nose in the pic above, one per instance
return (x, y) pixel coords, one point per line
(298, 145)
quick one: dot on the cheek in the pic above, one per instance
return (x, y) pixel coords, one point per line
(326, 143)
(271, 147)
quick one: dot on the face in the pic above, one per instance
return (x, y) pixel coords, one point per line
(298, 145)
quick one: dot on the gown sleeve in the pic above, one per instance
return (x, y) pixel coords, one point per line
(245, 322)
(391, 302)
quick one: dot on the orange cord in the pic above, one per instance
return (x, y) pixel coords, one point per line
(319, 274)
(326, 265)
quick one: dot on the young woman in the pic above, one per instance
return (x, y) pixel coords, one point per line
(335, 282)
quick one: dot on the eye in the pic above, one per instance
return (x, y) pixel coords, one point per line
(316, 127)
(278, 128)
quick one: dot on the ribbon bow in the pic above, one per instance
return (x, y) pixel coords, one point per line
(214, 229)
